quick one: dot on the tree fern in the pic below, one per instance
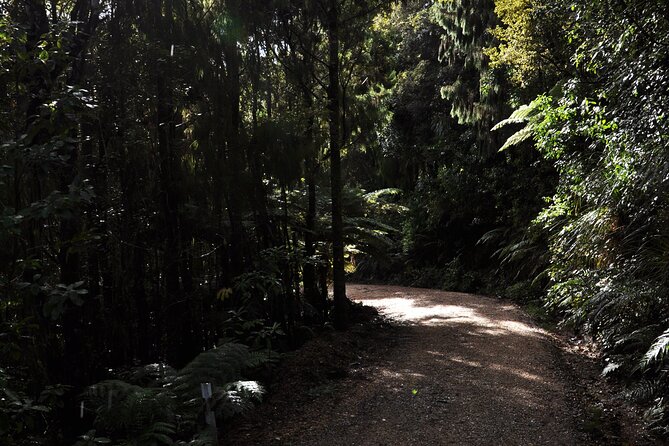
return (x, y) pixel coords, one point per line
(123, 409)
(162, 403)
(530, 115)
(218, 366)
(656, 418)
(152, 375)
(521, 115)
(236, 398)
(521, 251)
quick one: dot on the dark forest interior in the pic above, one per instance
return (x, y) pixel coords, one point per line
(186, 186)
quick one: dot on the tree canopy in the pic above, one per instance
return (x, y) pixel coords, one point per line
(183, 182)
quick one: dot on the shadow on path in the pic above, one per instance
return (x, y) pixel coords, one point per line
(462, 370)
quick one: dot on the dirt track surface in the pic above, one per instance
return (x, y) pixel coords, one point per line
(461, 370)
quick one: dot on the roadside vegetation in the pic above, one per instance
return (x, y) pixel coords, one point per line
(182, 182)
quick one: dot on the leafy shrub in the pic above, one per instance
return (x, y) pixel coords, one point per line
(24, 420)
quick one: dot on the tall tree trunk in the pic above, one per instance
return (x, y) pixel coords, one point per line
(69, 259)
(334, 108)
(263, 228)
(170, 223)
(234, 152)
(177, 329)
(309, 268)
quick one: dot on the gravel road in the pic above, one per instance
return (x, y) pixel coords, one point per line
(462, 370)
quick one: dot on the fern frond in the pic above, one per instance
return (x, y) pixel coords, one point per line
(123, 408)
(368, 224)
(611, 368)
(204, 438)
(657, 351)
(158, 433)
(381, 194)
(248, 390)
(261, 358)
(520, 136)
(645, 390)
(634, 341)
(218, 366)
(525, 114)
(494, 236)
(656, 417)
(152, 375)
(147, 414)
(520, 116)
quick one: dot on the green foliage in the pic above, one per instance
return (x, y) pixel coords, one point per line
(22, 417)
(529, 115)
(160, 405)
(603, 129)
(136, 413)
(163, 188)
(453, 276)
(657, 351)
(476, 95)
(527, 45)
(453, 192)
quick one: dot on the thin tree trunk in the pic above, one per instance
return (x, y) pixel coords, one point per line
(334, 108)
(309, 268)
(232, 60)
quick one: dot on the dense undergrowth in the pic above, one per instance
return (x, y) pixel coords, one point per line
(546, 180)
(171, 205)
(170, 189)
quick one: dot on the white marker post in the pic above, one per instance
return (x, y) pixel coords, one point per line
(209, 416)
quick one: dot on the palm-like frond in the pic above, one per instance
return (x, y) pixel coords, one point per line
(519, 137)
(657, 351)
(521, 115)
(529, 115)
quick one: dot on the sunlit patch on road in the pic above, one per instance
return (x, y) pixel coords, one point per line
(424, 309)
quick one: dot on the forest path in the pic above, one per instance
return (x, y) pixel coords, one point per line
(463, 370)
